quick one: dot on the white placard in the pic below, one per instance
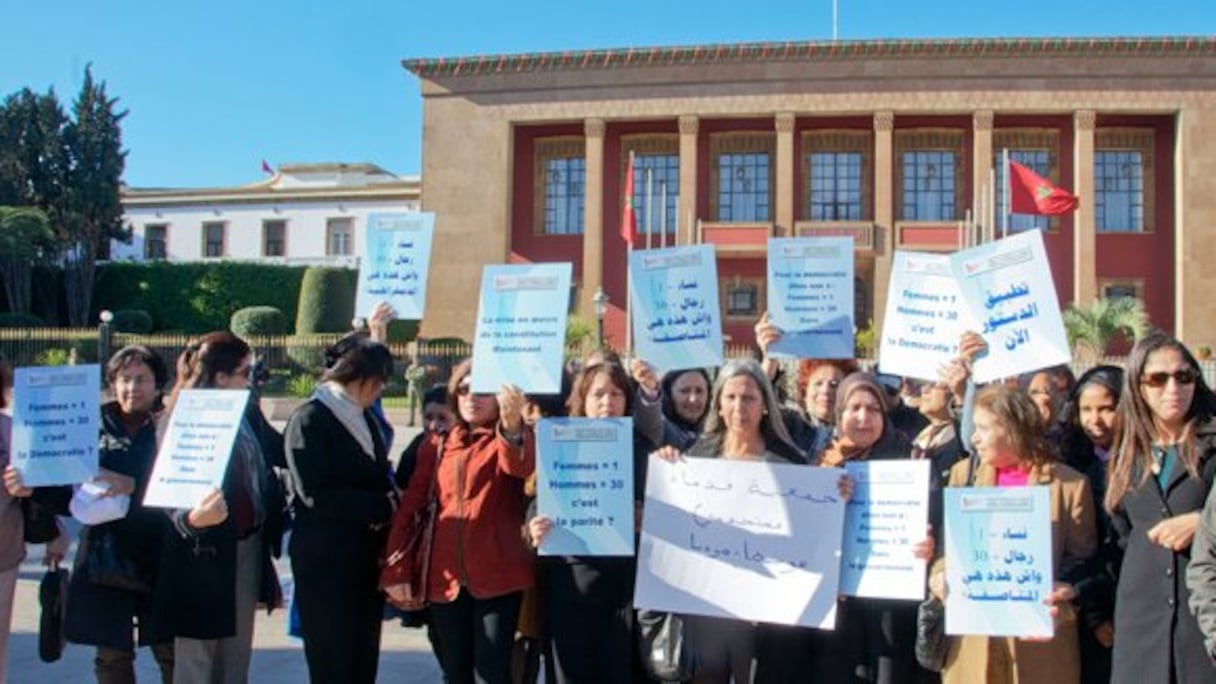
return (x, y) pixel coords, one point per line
(56, 418)
(925, 316)
(887, 516)
(193, 457)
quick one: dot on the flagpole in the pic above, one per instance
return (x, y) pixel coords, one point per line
(962, 229)
(662, 213)
(649, 205)
(628, 271)
(1006, 189)
(979, 215)
(992, 201)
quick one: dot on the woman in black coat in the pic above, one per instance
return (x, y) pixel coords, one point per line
(343, 501)
(216, 567)
(1161, 474)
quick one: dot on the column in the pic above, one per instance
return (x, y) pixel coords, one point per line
(981, 168)
(1084, 226)
(884, 211)
(687, 220)
(784, 172)
(593, 216)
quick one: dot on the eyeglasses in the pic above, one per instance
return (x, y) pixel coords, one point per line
(1183, 376)
(462, 389)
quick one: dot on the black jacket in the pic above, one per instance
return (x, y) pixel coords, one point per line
(1153, 626)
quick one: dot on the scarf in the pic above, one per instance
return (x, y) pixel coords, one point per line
(333, 396)
(841, 449)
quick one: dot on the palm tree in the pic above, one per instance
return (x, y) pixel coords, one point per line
(1093, 328)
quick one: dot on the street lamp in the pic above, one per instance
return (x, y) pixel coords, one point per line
(601, 307)
(103, 339)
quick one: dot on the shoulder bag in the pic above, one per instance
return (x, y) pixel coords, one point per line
(410, 561)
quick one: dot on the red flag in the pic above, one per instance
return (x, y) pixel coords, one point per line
(629, 218)
(266, 168)
(1030, 193)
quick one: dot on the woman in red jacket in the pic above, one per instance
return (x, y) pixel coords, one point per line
(480, 563)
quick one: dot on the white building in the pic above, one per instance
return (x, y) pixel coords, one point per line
(304, 214)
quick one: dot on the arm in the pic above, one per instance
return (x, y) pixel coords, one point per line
(516, 455)
(1201, 575)
(309, 458)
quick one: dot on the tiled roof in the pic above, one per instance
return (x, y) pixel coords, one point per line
(801, 51)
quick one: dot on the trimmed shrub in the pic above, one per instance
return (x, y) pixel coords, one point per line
(327, 301)
(301, 385)
(134, 321)
(258, 321)
(20, 320)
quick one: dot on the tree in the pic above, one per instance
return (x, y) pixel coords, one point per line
(1092, 329)
(25, 238)
(93, 206)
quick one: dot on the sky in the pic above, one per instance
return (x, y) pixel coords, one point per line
(213, 88)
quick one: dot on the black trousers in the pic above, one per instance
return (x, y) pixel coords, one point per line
(340, 616)
(474, 637)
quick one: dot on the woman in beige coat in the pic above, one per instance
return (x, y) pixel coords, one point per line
(1011, 450)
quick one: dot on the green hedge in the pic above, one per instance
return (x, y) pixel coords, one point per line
(134, 321)
(327, 301)
(20, 320)
(255, 321)
(199, 297)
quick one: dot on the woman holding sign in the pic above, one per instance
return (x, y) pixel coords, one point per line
(588, 600)
(216, 565)
(480, 562)
(1162, 471)
(1011, 452)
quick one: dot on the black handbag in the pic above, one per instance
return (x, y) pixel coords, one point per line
(667, 653)
(40, 524)
(52, 597)
(106, 563)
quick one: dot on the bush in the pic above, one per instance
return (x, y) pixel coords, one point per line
(20, 320)
(258, 321)
(301, 385)
(134, 321)
(55, 356)
(327, 301)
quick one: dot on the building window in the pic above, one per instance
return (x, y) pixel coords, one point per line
(741, 178)
(213, 239)
(339, 236)
(929, 185)
(1119, 191)
(835, 191)
(1120, 290)
(155, 242)
(648, 202)
(559, 180)
(861, 310)
(274, 238)
(742, 299)
(1038, 161)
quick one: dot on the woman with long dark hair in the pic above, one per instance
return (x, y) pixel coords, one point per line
(1160, 475)
(216, 565)
(343, 499)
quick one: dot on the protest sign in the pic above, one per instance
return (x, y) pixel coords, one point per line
(584, 485)
(810, 297)
(521, 327)
(998, 561)
(673, 300)
(55, 424)
(395, 265)
(741, 539)
(925, 317)
(197, 446)
(886, 517)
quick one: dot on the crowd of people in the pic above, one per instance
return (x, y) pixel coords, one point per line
(1128, 456)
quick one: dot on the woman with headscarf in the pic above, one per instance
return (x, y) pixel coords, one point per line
(685, 405)
(1161, 473)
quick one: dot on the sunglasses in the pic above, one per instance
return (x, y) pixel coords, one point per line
(1184, 376)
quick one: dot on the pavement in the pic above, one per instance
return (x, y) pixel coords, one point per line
(405, 653)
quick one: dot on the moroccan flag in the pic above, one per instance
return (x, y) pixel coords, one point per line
(1030, 193)
(266, 168)
(629, 217)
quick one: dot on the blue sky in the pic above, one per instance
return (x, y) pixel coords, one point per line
(213, 88)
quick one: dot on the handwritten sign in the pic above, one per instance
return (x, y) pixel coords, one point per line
(810, 297)
(198, 444)
(673, 295)
(747, 540)
(887, 516)
(1008, 288)
(395, 267)
(998, 561)
(925, 316)
(55, 424)
(584, 484)
(521, 327)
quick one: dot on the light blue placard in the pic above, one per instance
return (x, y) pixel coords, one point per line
(1008, 289)
(521, 327)
(197, 446)
(673, 297)
(395, 265)
(810, 297)
(885, 518)
(584, 484)
(56, 418)
(925, 316)
(998, 561)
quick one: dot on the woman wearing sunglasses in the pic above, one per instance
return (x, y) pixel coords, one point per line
(1162, 470)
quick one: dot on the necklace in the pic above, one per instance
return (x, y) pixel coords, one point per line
(1159, 453)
